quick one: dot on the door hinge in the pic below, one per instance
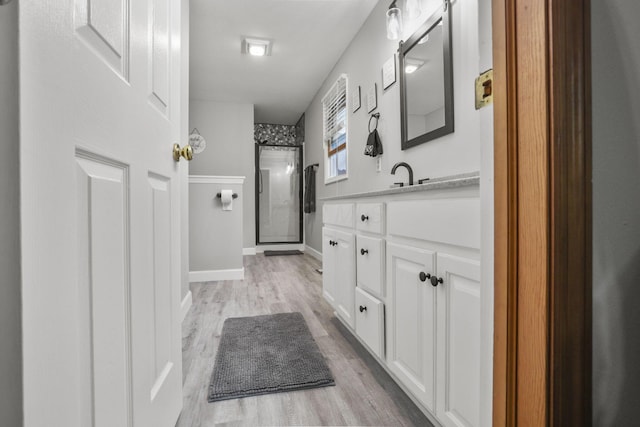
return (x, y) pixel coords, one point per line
(484, 89)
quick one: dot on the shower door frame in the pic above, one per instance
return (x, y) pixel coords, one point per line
(300, 194)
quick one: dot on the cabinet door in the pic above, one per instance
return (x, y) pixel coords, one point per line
(345, 275)
(328, 266)
(458, 341)
(370, 264)
(411, 321)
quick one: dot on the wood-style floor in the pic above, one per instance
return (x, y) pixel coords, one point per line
(364, 394)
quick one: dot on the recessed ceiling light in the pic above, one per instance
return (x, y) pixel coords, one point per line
(256, 47)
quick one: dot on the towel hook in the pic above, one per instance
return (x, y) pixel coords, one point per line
(373, 116)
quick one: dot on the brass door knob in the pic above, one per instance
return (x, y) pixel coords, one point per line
(186, 152)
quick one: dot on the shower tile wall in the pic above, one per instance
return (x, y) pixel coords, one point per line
(275, 134)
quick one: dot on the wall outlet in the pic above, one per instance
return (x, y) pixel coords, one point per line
(378, 164)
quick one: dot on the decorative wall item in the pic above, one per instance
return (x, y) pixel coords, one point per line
(389, 72)
(372, 98)
(355, 100)
(265, 133)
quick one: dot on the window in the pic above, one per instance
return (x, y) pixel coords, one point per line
(334, 112)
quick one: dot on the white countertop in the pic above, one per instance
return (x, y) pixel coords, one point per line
(451, 181)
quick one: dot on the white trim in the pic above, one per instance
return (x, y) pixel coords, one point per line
(284, 247)
(215, 275)
(317, 255)
(338, 177)
(248, 251)
(187, 302)
(207, 179)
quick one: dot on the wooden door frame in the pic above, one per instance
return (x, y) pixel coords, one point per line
(542, 127)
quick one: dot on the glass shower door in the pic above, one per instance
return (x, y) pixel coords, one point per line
(278, 194)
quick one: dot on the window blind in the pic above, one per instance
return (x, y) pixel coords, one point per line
(334, 106)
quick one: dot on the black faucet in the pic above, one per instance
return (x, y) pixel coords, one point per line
(406, 165)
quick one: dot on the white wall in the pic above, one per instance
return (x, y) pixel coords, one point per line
(10, 280)
(362, 62)
(616, 211)
(215, 241)
(228, 130)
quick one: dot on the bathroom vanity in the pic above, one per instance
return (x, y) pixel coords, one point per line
(402, 271)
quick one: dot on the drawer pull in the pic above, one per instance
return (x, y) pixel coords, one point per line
(363, 308)
(424, 276)
(332, 243)
(364, 217)
(435, 280)
(364, 251)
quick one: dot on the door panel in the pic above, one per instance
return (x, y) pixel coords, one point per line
(345, 276)
(328, 267)
(104, 327)
(411, 321)
(160, 246)
(459, 341)
(104, 26)
(160, 24)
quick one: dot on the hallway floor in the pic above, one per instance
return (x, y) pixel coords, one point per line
(364, 394)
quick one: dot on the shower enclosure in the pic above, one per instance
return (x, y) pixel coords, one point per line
(278, 194)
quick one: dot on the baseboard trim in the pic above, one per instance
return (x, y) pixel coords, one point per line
(187, 302)
(248, 251)
(216, 275)
(317, 255)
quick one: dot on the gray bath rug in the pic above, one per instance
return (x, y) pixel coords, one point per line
(266, 354)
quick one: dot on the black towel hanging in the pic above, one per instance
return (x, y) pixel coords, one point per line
(374, 145)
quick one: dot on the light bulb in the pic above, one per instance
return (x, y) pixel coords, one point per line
(257, 49)
(394, 23)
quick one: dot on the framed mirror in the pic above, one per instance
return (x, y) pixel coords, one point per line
(426, 81)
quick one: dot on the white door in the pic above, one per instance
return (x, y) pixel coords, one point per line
(100, 108)
(412, 321)
(458, 341)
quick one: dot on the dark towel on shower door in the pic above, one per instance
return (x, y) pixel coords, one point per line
(309, 189)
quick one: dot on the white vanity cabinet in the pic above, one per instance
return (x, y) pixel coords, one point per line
(413, 261)
(339, 262)
(433, 309)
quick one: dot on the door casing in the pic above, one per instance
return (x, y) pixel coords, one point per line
(542, 152)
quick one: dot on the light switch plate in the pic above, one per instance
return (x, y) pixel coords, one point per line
(378, 164)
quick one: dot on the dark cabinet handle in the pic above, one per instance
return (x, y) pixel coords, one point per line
(332, 243)
(435, 280)
(424, 276)
(364, 217)
(363, 308)
(364, 251)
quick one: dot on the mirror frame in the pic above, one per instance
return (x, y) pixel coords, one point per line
(405, 46)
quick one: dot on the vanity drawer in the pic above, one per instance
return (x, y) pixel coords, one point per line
(370, 263)
(370, 321)
(338, 214)
(370, 217)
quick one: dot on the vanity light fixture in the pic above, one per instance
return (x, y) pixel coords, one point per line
(411, 65)
(394, 22)
(256, 47)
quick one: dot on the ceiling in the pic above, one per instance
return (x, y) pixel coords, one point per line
(309, 36)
